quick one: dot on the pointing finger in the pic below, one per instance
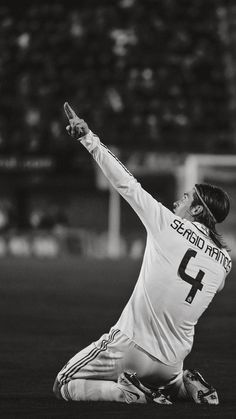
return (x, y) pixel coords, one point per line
(70, 113)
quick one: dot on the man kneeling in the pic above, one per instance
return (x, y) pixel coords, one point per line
(184, 265)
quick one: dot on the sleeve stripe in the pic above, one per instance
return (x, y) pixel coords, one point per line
(121, 164)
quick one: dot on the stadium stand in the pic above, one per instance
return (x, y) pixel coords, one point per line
(145, 74)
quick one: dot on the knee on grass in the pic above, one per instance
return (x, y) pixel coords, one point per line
(57, 389)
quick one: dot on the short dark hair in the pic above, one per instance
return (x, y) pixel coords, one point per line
(215, 210)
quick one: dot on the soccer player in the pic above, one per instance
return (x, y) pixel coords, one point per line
(184, 265)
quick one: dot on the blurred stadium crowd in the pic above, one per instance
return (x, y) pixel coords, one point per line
(146, 75)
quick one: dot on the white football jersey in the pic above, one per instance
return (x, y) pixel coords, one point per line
(182, 268)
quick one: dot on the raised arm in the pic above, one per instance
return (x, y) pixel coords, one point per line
(151, 212)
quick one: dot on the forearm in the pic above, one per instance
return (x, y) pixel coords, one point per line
(113, 169)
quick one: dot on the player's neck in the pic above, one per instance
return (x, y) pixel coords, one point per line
(188, 216)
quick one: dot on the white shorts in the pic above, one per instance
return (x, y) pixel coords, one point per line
(114, 353)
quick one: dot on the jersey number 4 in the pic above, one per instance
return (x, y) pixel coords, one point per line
(195, 282)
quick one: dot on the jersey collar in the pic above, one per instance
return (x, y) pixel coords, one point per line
(201, 227)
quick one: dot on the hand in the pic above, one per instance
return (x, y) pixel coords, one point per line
(77, 127)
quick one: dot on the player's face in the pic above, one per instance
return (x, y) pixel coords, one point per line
(183, 205)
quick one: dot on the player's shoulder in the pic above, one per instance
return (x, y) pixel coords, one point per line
(228, 257)
(214, 249)
(167, 217)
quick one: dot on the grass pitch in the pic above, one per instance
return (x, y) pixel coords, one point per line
(51, 309)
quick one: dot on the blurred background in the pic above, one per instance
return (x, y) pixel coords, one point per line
(156, 81)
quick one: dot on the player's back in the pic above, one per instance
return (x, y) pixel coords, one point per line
(185, 266)
(181, 272)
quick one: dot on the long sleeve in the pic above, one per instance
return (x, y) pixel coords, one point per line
(152, 214)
